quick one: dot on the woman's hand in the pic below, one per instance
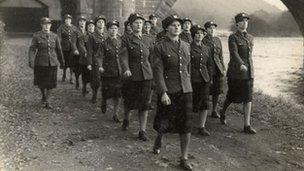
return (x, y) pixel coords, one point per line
(165, 99)
(89, 67)
(101, 70)
(128, 73)
(243, 68)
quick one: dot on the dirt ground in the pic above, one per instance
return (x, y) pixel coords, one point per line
(75, 135)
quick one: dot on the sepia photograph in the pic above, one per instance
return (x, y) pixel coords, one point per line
(151, 85)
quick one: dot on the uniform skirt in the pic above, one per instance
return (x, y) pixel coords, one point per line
(68, 59)
(95, 78)
(240, 91)
(45, 76)
(176, 117)
(111, 87)
(217, 87)
(136, 94)
(200, 96)
(85, 73)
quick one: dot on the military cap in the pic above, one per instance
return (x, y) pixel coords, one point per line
(209, 24)
(240, 17)
(45, 20)
(90, 22)
(135, 16)
(187, 19)
(111, 23)
(100, 17)
(67, 16)
(169, 20)
(152, 16)
(82, 17)
(148, 21)
(195, 29)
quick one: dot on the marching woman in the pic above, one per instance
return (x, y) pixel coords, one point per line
(172, 77)
(240, 71)
(201, 72)
(65, 33)
(217, 64)
(79, 47)
(93, 45)
(45, 55)
(108, 60)
(186, 34)
(137, 72)
(90, 26)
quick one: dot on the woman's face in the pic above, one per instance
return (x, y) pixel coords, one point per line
(100, 24)
(46, 27)
(82, 23)
(187, 25)
(243, 25)
(211, 30)
(68, 21)
(147, 26)
(199, 35)
(137, 25)
(175, 28)
(113, 31)
(91, 28)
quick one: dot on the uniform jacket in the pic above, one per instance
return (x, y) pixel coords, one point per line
(240, 48)
(135, 56)
(160, 35)
(172, 66)
(45, 50)
(108, 57)
(186, 37)
(79, 43)
(201, 59)
(155, 30)
(65, 34)
(217, 54)
(93, 44)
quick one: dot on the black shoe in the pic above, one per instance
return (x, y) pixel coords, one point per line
(94, 99)
(103, 107)
(215, 114)
(142, 135)
(203, 131)
(157, 145)
(77, 86)
(223, 118)
(115, 119)
(249, 130)
(47, 105)
(184, 164)
(125, 125)
(84, 92)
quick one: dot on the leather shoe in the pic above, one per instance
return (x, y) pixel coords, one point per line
(184, 164)
(249, 130)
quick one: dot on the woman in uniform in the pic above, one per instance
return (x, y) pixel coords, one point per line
(108, 60)
(186, 34)
(200, 76)
(240, 71)
(45, 55)
(90, 26)
(94, 43)
(80, 50)
(218, 67)
(137, 72)
(172, 77)
(65, 33)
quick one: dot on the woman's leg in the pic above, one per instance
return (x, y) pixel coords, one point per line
(247, 112)
(215, 99)
(48, 92)
(227, 103)
(43, 99)
(116, 103)
(184, 142)
(157, 143)
(127, 112)
(64, 74)
(203, 117)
